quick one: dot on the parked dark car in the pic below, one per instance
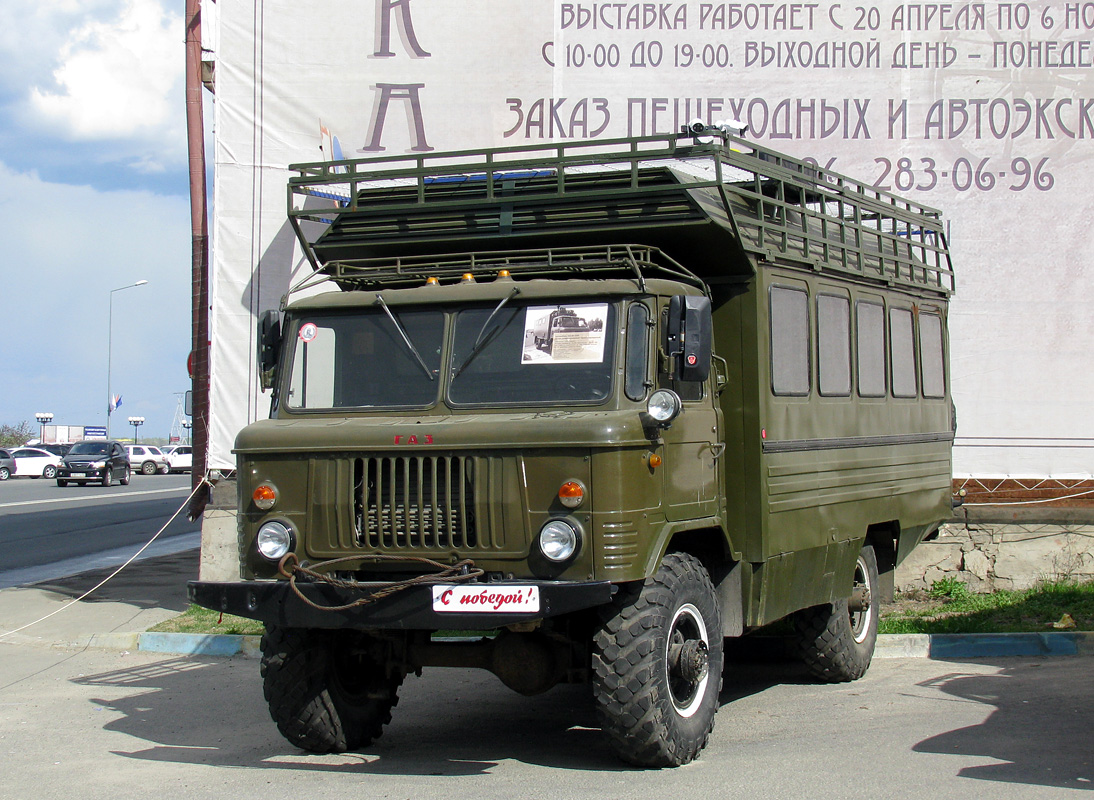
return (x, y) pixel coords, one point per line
(7, 465)
(56, 449)
(96, 461)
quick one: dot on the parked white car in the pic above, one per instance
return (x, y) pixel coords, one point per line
(180, 457)
(147, 460)
(35, 463)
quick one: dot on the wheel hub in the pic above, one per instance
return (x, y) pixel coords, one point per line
(860, 599)
(690, 660)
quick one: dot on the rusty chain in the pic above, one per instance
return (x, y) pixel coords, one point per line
(290, 567)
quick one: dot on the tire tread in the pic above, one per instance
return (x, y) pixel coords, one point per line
(628, 693)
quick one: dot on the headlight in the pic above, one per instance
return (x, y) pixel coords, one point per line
(274, 540)
(664, 406)
(98, 464)
(558, 540)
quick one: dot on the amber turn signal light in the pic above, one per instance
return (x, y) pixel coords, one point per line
(264, 496)
(571, 494)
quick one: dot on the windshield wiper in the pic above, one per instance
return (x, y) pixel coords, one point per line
(481, 339)
(406, 339)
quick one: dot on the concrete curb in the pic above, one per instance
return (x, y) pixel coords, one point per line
(915, 645)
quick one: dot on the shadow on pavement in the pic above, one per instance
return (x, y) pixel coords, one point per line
(448, 723)
(157, 582)
(1028, 696)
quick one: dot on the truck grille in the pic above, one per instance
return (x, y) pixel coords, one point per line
(415, 502)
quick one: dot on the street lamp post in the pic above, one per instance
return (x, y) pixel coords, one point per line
(136, 422)
(44, 418)
(187, 424)
(109, 347)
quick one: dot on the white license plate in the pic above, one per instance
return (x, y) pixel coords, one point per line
(495, 598)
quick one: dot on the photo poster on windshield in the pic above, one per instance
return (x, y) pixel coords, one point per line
(564, 334)
(984, 110)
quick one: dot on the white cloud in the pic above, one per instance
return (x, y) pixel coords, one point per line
(121, 78)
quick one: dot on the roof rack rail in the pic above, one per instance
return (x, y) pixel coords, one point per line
(698, 196)
(639, 262)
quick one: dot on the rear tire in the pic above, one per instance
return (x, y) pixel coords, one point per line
(657, 665)
(148, 468)
(5, 473)
(49, 472)
(326, 690)
(836, 643)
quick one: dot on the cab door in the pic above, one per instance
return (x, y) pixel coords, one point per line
(692, 443)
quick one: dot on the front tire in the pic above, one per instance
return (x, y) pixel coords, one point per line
(5, 473)
(327, 691)
(62, 482)
(657, 665)
(126, 476)
(836, 640)
(108, 477)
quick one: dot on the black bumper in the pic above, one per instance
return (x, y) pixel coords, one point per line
(275, 603)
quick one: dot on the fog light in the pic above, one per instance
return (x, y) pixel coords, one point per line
(558, 540)
(264, 496)
(274, 540)
(664, 406)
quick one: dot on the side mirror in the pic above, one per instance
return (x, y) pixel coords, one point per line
(269, 346)
(689, 337)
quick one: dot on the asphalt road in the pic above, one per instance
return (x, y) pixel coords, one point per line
(142, 725)
(47, 532)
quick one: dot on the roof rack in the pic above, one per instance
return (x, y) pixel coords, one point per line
(722, 205)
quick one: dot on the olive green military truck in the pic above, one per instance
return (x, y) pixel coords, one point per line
(604, 403)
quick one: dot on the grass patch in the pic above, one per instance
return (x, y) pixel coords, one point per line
(203, 621)
(949, 607)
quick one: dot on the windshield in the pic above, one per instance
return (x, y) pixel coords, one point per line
(532, 354)
(362, 360)
(89, 449)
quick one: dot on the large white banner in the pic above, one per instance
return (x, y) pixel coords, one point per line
(984, 110)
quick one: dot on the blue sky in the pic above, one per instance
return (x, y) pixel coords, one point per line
(95, 197)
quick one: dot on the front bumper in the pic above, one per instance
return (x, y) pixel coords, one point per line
(275, 603)
(81, 474)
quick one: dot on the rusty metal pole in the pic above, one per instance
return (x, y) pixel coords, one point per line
(199, 233)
